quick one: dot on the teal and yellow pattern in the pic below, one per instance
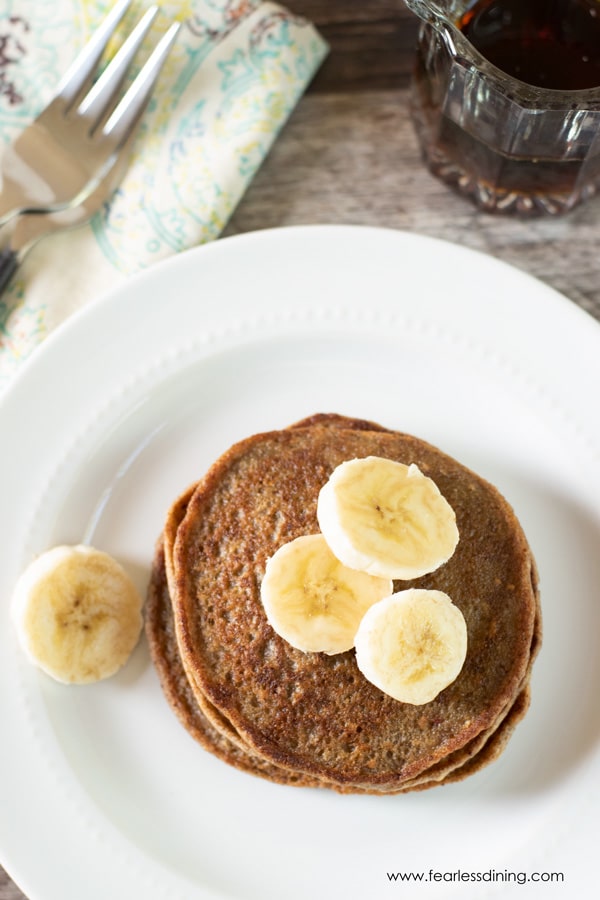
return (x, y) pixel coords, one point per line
(236, 72)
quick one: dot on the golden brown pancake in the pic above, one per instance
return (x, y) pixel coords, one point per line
(191, 708)
(492, 748)
(316, 715)
(160, 630)
(165, 655)
(203, 722)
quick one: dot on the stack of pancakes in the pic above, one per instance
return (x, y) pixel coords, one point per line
(310, 719)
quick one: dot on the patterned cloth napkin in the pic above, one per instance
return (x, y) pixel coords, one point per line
(234, 75)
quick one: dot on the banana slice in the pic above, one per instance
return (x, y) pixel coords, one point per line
(312, 600)
(386, 518)
(77, 614)
(412, 645)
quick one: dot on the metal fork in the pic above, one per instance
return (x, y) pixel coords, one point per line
(27, 230)
(64, 154)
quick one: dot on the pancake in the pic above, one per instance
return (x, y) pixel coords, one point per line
(491, 750)
(315, 715)
(195, 708)
(201, 707)
(177, 690)
(165, 656)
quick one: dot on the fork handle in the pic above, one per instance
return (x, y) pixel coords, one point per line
(9, 263)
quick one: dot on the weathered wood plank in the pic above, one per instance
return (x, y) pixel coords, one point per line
(353, 158)
(371, 42)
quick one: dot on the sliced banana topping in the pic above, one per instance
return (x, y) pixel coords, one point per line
(412, 644)
(77, 613)
(386, 518)
(312, 600)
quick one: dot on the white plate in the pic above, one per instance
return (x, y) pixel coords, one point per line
(103, 793)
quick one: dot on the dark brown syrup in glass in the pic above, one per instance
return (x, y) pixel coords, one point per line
(550, 44)
(547, 43)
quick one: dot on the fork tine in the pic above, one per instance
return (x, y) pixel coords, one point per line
(101, 95)
(82, 69)
(130, 108)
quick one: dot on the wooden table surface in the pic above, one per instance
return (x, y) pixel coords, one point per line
(349, 155)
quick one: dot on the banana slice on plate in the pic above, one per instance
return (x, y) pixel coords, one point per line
(412, 644)
(312, 600)
(386, 518)
(77, 613)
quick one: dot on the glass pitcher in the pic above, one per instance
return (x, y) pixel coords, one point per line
(508, 145)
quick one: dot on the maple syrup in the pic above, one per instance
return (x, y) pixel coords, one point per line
(522, 139)
(547, 43)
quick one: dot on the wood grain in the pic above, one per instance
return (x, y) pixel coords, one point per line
(371, 43)
(353, 158)
(349, 155)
